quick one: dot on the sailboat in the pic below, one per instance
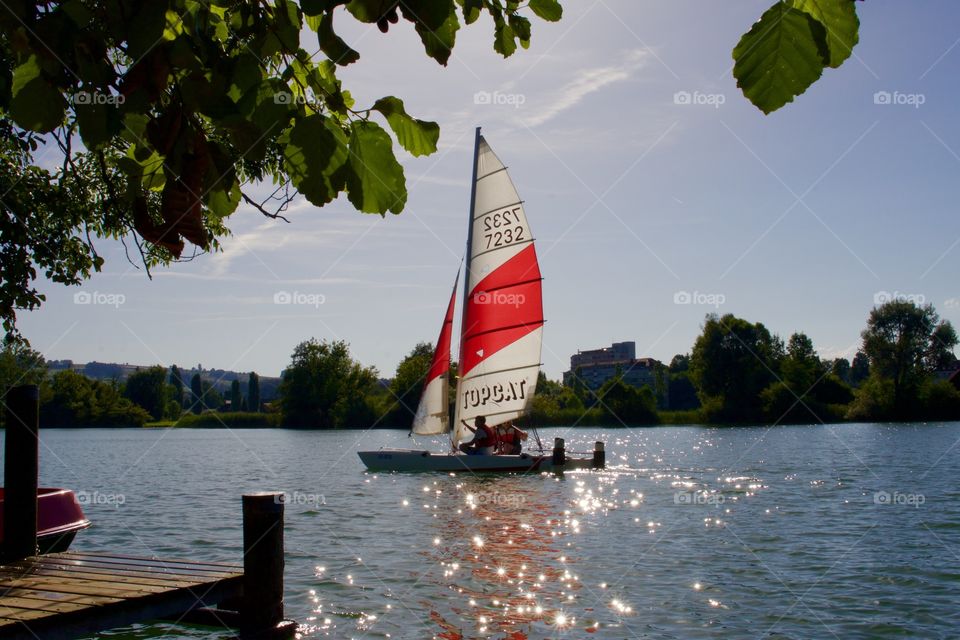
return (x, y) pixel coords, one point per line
(501, 332)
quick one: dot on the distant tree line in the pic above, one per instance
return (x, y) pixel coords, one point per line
(154, 394)
(736, 372)
(743, 373)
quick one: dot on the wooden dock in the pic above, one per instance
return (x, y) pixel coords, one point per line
(59, 596)
(65, 595)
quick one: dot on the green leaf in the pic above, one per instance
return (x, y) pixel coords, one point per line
(224, 198)
(80, 15)
(247, 73)
(36, 104)
(145, 29)
(369, 10)
(99, 123)
(209, 98)
(504, 39)
(549, 10)
(269, 106)
(146, 164)
(246, 137)
(134, 126)
(436, 23)
(471, 10)
(317, 7)
(521, 27)
(313, 22)
(840, 22)
(332, 45)
(314, 155)
(779, 58)
(284, 34)
(375, 183)
(418, 137)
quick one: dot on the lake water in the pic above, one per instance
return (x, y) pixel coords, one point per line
(846, 531)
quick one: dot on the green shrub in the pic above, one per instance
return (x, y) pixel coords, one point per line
(940, 400)
(873, 400)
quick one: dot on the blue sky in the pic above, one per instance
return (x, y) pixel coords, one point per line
(797, 220)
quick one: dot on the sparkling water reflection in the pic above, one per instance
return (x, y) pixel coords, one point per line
(850, 531)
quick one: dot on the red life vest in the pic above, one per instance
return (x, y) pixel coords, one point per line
(508, 439)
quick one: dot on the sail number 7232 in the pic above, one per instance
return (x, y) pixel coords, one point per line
(503, 228)
(498, 393)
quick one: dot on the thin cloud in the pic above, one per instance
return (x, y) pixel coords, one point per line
(586, 82)
(272, 235)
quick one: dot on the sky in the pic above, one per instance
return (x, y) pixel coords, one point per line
(657, 194)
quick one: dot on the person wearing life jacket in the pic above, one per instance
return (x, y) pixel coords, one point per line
(484, 441)
(510, 439)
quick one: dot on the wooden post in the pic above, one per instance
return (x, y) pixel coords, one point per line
(559, 453)
(599, 456)
(21, 472)
(262, 614)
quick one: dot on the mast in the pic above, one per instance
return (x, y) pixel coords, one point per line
(466, 277)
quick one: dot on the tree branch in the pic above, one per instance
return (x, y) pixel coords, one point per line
(284, 203)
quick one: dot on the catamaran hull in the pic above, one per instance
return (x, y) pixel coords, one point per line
(422, 460)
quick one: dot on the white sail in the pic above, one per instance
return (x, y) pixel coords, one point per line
(433, 412)
(433, 415)
(502, 326)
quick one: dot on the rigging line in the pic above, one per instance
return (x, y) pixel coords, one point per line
(487, 175)
(498, 209)
(512, 284)
(536, 435)
(490, 373)
(536, 324)
(501, 413)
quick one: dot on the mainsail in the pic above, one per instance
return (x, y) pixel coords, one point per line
(433, 412)
(502, 325)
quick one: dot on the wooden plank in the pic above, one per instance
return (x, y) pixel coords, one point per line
(199, 576)
(123, 573)
(159, 568)
(55, 597)
(82, 587)
(32, 564)
(40, 605)
(99, 577)
(14, 614)
(131, 569)
(140, 559)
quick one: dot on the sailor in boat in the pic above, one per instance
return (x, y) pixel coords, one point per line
(510, 439)
(484, 441)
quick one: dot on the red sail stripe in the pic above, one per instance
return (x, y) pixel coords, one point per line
(504, 307)
(441, 355)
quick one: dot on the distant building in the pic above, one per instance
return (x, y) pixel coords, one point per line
(952, 376)
(596, 366)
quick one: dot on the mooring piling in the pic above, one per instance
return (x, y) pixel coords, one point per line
(599, 456)
(21, 472)
(559, 453)
(263, 564)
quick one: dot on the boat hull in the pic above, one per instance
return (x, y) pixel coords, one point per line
(423, 460)
(59, 518)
